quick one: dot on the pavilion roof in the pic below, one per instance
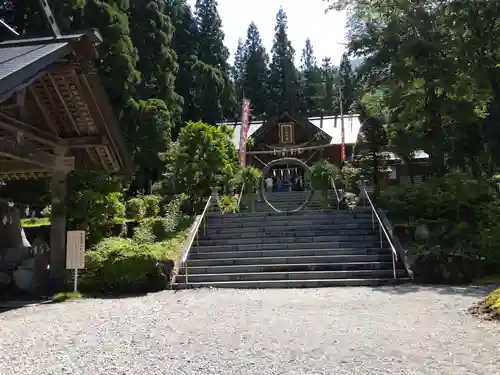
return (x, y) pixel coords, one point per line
(51, 100)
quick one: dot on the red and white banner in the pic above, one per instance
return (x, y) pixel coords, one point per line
(342, 140)
(245, 125)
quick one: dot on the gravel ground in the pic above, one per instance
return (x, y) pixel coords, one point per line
(389, 331)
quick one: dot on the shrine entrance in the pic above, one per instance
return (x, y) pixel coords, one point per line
(286, 175)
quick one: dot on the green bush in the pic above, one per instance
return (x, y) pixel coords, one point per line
(321, 175)
(136, 208)
(152, 203)
(119, 265)
(229, 204)
(250, 178)
(461, 215)
(143, 233)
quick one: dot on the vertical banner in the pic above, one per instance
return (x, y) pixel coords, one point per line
(342, 140)
(245, 114)
(342, 135)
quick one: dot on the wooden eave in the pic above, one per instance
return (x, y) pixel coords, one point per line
(53, 102)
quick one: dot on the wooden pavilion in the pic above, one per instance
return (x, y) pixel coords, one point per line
(55, 117)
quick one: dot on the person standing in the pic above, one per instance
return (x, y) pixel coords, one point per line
(269, 183)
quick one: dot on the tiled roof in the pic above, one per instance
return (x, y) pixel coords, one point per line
(19, 64)
(25, 58)
(330, 125)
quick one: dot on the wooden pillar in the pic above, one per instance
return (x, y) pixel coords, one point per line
(58, 219)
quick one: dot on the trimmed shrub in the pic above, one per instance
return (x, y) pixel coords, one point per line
(152, 203)
(136, 209)
(119, 265)
(229, 204)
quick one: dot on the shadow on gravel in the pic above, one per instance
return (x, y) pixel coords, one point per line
(10, 305)
(469, 291)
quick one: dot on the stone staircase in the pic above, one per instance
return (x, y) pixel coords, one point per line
(283, 250)
(289, 201)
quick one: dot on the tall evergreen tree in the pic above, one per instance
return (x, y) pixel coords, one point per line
(310, 81)
(329, 97)
(283, 79)
(347, 83)
(217, 99)
(152, 32)
(185, 42)
(118, 56)
(238, 68)
(256, 72)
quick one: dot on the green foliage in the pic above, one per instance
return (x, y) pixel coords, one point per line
(152, 203)
(283, 76)
(143, 264)
(118, 56)
(119, 265)
(136, 208)
(493, 301)
(203, 157)
(147, 127)
(462, 216)
(66, 296)
(255, 72)
(229, 204)
(94, 198)
(321, 175)
(250, 178)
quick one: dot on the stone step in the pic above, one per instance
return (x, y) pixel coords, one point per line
(263, 220)
(287, 232)
(219, 252)
(277, 224)
(306, 275)
(261, 258)
(282, 284)
(334, 228)
(286, 267)
(198, 247)
(288, 239)
(341, 214)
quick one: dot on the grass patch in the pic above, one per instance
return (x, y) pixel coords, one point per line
(170, 248)
(489, 280)
(66, 296)
(35, 222)
(488, 308)
(45, 221)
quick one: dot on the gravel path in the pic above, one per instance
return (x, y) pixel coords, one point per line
(389, 331)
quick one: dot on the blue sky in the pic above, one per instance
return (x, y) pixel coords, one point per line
(326, 31)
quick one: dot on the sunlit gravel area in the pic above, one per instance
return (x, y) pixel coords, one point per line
(390, 330)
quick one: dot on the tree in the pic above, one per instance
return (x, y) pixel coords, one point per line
(185, 42)
(310, 81)
(118, 56)
(283, 78)
(329, 98)
(238, 69)
(148, 132)
(217, 97)
(347, 83)
(256, 72)
(203, 157)
(151, 32)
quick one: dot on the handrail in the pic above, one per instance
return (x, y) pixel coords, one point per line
(336, 193)
(193, 234)
(241, 194)
(381, 230)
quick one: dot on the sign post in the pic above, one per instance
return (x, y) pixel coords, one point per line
(75, 253)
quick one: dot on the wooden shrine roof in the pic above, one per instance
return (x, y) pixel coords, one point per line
(52, 102)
